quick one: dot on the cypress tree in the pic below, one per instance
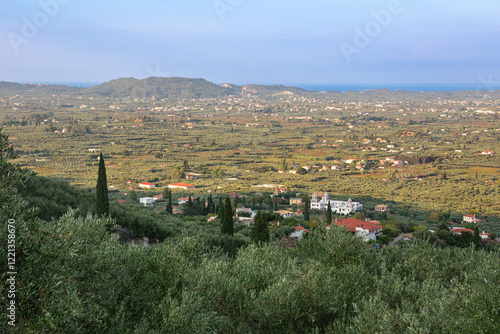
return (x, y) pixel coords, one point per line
(329, 214)
(190, 208)
(260, 229)
(220, 211)
(306, 210)
(169, 205)
(210, 205)
(227, 223)
(102, 201)
(476, 238)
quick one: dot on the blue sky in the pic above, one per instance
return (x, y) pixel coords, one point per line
(424, 41)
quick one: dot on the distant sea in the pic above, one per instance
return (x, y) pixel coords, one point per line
(357, 87)
(421, 87)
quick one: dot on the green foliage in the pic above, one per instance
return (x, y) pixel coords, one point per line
(12, 205)
(221, 210)
(329, 214)
(133, 195)
(434, 217)
(227, 223)
(102, 200)
(477, 237)
(169, 204)
(306, 209)
(331, 282)
(260, 229)
(53, 198)
(359, 215)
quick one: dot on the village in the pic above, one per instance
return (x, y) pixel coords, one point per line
(348, 214)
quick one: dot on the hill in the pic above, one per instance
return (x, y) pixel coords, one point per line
(31, 89)
(160, 88)
(157, 88)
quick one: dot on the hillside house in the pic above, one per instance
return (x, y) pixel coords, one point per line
(484, 235)
(368, 230)
(181, 186)
(285, 213)
(147, 185)
(382, 208)
(460, 230)
(299, 231)
(296, 201)
(147, 201)
(280, 190)
(471, 219)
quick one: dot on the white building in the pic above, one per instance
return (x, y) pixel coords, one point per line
(343, 207)
(147, 185)
(346, 207)
(147, 201)
(320, 204)
(299, 231)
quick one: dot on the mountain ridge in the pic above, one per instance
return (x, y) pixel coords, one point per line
(178, 88)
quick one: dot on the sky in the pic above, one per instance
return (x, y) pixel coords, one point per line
(257, 41)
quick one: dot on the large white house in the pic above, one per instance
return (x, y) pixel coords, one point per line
(320, 204)
(147, 201)
(346, 207)
(343, 207)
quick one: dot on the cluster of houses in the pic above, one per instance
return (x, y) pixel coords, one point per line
(460, 230)
(345, 164)
(185, 186)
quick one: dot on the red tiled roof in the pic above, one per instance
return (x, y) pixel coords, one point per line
(147, 184)
(299, 228)
(460, 230)
(351, 224)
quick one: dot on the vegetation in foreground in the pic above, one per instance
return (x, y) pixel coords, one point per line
(76, 278)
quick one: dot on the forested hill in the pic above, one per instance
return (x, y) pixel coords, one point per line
(157, 88)
(160, 88)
